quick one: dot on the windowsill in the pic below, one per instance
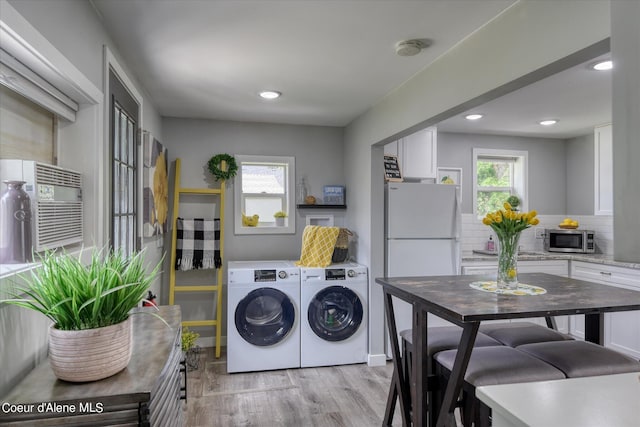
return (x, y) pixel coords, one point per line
(10, 272)
(7, 270)
(267, 229)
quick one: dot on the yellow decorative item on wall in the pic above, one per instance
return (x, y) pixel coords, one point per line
(155, 187)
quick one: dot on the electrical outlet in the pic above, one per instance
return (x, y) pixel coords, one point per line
(539, 232)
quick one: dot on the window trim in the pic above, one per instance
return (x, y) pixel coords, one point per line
(520, 172)
(290, 227)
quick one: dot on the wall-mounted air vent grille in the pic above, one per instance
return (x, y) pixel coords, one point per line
(57, 224)
(51, 175)
(58, 215)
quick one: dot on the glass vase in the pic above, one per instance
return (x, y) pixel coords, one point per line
(508, 260)
(15, 224)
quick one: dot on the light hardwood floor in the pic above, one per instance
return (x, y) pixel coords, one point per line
(336, 396)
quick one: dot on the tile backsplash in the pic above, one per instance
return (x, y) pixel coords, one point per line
(475, 234)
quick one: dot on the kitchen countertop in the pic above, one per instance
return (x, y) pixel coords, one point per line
(547, 256)
(579, 402)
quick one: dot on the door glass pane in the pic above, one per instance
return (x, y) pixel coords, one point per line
(116, 133)
(123, 234)
(116, 181)
(129, 143)
(116, 232)
(130, 187)
(123, 137)
(122, 196)
(131, 230)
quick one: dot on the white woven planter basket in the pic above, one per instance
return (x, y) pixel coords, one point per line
(90, 354)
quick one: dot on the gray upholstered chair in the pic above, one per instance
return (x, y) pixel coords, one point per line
(514, 334)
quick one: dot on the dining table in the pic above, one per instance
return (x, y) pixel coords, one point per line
(452, 298)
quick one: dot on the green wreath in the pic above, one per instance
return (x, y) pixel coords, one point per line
(219, 174)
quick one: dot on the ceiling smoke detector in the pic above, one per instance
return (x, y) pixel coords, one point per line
(411, 47)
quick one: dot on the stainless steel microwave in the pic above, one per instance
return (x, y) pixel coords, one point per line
(572, 241)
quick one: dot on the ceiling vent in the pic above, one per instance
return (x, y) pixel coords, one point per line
(411, 47)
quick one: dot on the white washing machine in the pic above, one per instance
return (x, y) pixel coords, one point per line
(335, 307)
(263, 315)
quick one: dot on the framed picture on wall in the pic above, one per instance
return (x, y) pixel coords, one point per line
(451, 176)
(155, 187)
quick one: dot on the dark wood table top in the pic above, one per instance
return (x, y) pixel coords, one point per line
(152, 345)
(453, 298)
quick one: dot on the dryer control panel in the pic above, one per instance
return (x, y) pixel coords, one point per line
(334, 274)
(264, 275)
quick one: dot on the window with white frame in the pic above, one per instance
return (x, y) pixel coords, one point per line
(264, 185)
(498, 174)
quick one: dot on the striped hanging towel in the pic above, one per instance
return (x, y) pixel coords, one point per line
(198, 244)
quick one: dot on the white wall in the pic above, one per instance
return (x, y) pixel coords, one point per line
(520, 46)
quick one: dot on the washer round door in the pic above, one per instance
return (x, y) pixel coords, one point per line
(335, 313)
(265, 316)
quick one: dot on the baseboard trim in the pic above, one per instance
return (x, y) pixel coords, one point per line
(211, 342)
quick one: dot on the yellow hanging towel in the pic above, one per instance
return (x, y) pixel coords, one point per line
(318, 243)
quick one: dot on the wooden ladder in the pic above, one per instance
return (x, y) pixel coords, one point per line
(217, 288)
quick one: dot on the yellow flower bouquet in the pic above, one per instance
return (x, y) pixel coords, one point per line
(508, 224)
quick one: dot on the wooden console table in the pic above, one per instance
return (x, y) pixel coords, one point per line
(146, 393)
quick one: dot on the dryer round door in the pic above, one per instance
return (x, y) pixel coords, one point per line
(335, 313)
(265, 316)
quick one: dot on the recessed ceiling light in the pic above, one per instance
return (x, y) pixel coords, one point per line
(548, 122)
(602, 65)
(269, 94)
(474, 116)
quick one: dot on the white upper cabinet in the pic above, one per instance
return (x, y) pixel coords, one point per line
(603, 155)
(417, 153)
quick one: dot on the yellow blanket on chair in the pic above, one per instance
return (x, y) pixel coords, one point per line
(318, 243)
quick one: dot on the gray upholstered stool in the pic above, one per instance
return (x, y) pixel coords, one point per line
(489, 366)
(518, 333)
(581, 358)
(438, 339)
(446, 338)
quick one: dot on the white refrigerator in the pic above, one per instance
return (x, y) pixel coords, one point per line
(422, 228)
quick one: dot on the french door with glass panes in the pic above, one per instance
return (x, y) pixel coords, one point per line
(124, 162)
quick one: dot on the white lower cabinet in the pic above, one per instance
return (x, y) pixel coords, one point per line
(557, 267)
(622, 330)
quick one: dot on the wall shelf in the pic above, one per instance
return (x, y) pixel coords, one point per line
(322, 206)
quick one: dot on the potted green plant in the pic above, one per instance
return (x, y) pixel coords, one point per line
(89, 304)
(189, 349)
(280, 216)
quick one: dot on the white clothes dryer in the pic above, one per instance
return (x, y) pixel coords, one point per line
(335, 307)
(263, 315)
